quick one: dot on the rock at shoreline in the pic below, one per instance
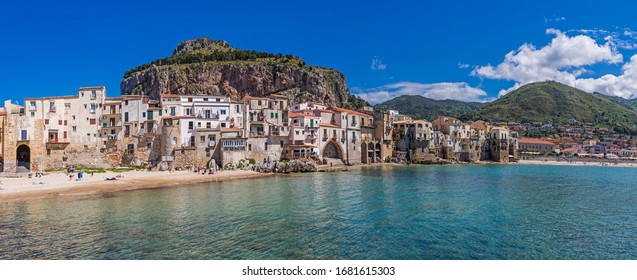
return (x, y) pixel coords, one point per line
(294, 166)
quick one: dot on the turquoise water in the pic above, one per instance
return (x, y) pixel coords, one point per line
(419, 212)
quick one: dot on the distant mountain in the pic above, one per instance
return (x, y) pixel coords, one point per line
(419, 107)
(555, 103)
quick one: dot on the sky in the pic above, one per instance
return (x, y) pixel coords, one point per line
(460, 50)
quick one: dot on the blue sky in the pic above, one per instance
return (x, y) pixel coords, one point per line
(385, 48)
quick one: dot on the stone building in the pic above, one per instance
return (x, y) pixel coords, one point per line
(54, 132)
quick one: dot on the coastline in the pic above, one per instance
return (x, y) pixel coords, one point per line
(58, 184)
(577, 163)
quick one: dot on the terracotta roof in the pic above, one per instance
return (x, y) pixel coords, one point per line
(249, 97)
(534, 141)
(328, 125)
(348, 111)
(299, 114)
(569, 150)
(325, 111)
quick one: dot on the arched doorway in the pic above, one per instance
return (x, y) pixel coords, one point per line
(378, 151)
(23, 158)
(331, 150)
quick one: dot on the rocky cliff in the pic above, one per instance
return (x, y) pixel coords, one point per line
(206, 67)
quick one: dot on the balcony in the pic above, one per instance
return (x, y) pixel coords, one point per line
(312, 136)
(57, 140)
(212, 143)
(117, 125)
(257, 119)
(257, 133)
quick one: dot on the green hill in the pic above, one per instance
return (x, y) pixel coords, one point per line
(555, 103)
(419, 107)
(628, 103)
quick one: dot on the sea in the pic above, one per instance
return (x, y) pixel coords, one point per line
(448, 212)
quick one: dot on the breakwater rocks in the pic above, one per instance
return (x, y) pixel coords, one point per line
(294, 166)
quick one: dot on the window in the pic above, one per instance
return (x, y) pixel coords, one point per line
(211, 138)
(46, 121)
(65, 136)
(208, 125)
(143, 114)
(65, 122)
(73, 117)
(271, 115)
(238, 109)
(126, 102)
(191, 125)
(266, 146)
(222, 112)
(74, 128)
(207, 113)
(205, 99)
(67, 106)
(217, 99)
(174, 141)
(189, 99)
(223, 124)
(199, 124)
(234, 145)
(172, 111)
(202, 138)
(92, 109)
(188, 112)
(126, 116)
(32, 114)
(48, 152)
(91, 121)
(93, 95)
(281, 144)
(59, 122)
(249, 147)
(32, 105)
(51, 107)
(24, 135)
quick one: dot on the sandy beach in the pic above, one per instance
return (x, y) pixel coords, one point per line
(58, 184)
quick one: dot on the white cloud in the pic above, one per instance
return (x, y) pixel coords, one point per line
(463, 65)
(565, 60)
(377, 64)
(439, 91)
(554, 19)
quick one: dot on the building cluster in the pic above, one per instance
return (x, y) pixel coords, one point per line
(573, 140)
(178, 131)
